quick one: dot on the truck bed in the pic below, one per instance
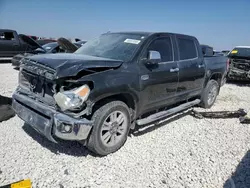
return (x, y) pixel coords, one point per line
(217, 64)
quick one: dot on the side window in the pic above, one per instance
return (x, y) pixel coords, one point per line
(7, 36)
(164, 47)
(187, 49)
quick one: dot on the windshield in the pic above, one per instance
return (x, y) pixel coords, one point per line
(240, 52)
(112, 45)
(49, 46)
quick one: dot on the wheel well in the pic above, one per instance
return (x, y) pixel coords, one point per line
(126, 98)
(217, 77)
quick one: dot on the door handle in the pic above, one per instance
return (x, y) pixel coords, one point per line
(174, 70)
(201, 66)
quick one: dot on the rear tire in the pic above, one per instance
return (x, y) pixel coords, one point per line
(111, 124)
(210, 93)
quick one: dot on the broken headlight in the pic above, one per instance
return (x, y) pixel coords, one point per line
(72, 99)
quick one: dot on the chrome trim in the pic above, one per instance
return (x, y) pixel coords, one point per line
(80, 129)
(188, 59)
(174, 70)
(201, 66)
(5, 58)
(48, 121)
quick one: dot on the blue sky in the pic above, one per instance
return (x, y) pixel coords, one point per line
(220, 23)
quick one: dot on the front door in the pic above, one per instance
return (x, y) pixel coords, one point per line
(9, 45)
(159, 82)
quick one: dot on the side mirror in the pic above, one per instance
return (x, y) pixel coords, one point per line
(154, 57)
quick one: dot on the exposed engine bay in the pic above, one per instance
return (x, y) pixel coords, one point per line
(239, 65)
(239, 69)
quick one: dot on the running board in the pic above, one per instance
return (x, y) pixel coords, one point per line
(163, 114)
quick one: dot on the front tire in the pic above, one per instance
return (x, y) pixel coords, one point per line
(210, 93)
(111, 123)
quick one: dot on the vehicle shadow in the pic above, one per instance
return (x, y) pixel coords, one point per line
(72, 148)
(6, 111)
(241, 177)
(76, 149)
(5, 61)
(239, 83)
(16, 68)
(141, 130)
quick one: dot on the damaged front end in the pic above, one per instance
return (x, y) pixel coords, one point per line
(239, 69)
(56, 107)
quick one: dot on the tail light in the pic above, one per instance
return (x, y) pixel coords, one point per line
(228, 62)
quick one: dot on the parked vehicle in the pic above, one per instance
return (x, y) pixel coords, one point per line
(12, 44)
(98, 93)
(239, 61)
(33, 37)
(207, 50)
(218, 53)
(225, 52)
(80, 43)
(44, 41)
(61, 46)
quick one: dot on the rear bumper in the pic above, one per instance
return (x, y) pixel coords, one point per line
(49, 122)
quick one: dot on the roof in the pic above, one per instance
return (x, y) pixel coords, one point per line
(149, 33)
(134, 33)
(205, 45)
(7, 30)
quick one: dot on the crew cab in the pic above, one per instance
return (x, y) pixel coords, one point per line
(114, 83)
(239, 63)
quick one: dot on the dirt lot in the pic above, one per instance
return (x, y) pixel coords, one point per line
(182, 152)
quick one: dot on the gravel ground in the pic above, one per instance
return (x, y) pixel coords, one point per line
(185, 152)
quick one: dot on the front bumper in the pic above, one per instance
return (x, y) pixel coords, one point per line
(15, 62)
(48, 121)
(237, 74)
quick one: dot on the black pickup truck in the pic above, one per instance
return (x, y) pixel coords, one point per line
(113, 83)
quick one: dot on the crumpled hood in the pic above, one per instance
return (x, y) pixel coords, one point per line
(67, 64)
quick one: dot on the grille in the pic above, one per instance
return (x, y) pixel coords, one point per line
(35, 81)
(242, 66)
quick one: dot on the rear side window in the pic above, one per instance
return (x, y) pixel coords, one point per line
(164, 46)
(187, 49)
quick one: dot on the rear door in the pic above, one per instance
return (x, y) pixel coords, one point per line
(191, 67)
(159, 82)
(9, 44)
